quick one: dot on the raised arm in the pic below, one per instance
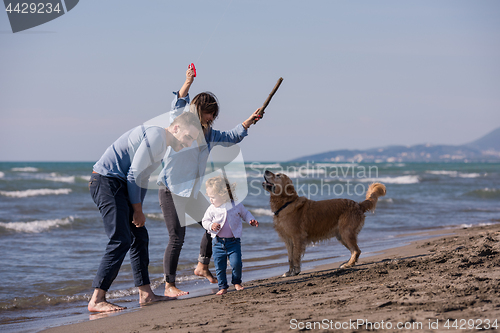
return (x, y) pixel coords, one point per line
(183, 92)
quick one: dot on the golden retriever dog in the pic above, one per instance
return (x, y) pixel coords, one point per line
(300, 221)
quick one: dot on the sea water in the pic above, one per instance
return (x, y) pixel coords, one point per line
(52, 237)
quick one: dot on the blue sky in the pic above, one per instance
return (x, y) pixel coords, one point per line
(356, 75)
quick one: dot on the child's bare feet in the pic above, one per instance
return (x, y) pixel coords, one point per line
(239, 287)
(222, 292)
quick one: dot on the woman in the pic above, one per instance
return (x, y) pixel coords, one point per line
(181, 178)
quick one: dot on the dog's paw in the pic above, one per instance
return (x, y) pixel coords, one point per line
(290, 273)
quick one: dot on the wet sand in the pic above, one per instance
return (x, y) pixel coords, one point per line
(446, 283)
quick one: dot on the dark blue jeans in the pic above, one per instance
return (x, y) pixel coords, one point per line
(111, 197)
(224, 248)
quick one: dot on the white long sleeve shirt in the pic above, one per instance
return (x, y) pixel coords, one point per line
(226, 213)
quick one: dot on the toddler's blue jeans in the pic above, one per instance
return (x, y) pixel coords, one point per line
(224, 248)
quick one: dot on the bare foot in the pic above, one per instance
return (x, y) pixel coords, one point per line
(155, 298)
(98, 303)
(147, 296)
(202, 270)
(222, 292)
(239, 287)
(173, 291)
(104, 306)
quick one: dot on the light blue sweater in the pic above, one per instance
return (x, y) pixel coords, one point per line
(133, 157)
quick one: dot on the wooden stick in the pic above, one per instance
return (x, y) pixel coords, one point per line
(264, 106)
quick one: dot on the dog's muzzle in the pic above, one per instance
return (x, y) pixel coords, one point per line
(267, 185)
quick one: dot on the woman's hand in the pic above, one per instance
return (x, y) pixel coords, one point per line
(254, 118)
(189, 80)
(190, 75)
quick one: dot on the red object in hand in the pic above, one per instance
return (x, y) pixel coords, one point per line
(193, 68)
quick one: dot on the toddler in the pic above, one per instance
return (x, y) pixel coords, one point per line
(223, 220)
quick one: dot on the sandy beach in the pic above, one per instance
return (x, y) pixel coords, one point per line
(448, 282)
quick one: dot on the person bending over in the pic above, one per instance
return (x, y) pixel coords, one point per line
(118, 185)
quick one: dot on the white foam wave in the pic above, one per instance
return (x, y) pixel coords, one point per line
(335, 165)
(155, 216)
(26, 169)
(36, 226)
(443, 172)
(474, 225)
(469, 175)
(86, 178)
(2, 174)
(392, 180)
(262, 212)
(487, 189)
(257, 165)
(34, 193)
(454, 174)
(187, 278)
(306, 173)
(54, 177)
(236, 175)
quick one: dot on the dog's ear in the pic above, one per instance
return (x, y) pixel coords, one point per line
(290, 189)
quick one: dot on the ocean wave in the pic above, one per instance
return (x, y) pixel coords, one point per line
(85, 178)
(36, 226)
(21, 303)
(256, 165)
(155, 216)
(454, 173)
(410, 179)
(54, 177)
(25, 169)
(261, 212)
(473, 225)
(2, 174)
(308, 173)
(187, 278)
(469, 175)
(335, 165)
(485, 193)
(34, 193)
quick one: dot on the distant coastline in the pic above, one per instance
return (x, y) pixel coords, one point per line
(485, 149)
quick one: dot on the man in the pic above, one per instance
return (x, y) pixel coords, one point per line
(118, 185)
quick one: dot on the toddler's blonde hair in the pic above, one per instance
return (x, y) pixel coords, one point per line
(219, 185)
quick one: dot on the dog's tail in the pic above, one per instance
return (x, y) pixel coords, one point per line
(375, 191)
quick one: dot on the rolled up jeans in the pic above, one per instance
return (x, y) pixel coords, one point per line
(111, 197)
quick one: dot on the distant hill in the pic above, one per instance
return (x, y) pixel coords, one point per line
(490, 141)
(486, 148)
